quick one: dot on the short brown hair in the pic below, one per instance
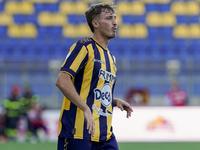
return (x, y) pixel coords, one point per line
(96, 9)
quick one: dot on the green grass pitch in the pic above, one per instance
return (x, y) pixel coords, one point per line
(122, 146)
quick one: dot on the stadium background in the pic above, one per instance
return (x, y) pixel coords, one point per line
(35, 36)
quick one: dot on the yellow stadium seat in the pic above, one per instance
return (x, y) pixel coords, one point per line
(181, 31)
(156, 1)
(43, 1)
(67, 7)
(70, 31)
(194, 31)
(123, 7)
(50, 19)
(14, 31)
(137, 8)
(119, 19)
(80, 7)
(154, 19)
(193, 8)
(26, 8)
(140, 31)
(126, 31)
(29, 31)
(168, 19)
(44, 19)
(59, 19)
(6, 19)
(14, 7)
(83, 30)
(11, 7)
(179, 8)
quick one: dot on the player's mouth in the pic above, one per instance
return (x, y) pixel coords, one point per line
(114, 29)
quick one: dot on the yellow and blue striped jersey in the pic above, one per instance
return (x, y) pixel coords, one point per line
(93, 72)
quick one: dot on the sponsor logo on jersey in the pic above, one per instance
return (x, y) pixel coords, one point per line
(110, 77)
(104, 95)
(97, 60)
(100, 111)
(68, 55)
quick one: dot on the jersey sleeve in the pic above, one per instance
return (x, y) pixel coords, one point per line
(75, 59)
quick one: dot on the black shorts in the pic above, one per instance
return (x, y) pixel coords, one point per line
(79, 144)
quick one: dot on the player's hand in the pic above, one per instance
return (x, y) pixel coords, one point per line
(124, 106)
(90, 122)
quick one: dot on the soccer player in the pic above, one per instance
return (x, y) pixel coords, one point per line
(87, 79)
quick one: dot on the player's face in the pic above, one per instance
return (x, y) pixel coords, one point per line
(107, 24)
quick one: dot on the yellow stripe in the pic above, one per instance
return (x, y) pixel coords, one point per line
(79, 58)
(85, 88)
(109, 117)
(98, 103)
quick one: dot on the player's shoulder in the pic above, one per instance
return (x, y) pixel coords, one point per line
(85, 41)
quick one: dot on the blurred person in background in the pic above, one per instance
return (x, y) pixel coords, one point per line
(3, 137)
(35, 114)
(13, 112)
(176, 96)
(27, 101)
(87, 79)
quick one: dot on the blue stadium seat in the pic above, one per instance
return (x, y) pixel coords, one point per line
(133, 19)
(51, 7)
(193, 19)
(3, 31)
(23, 19)
(182, 19)
(164, 7)
(76, 19)
(151, 7)
(1, 6)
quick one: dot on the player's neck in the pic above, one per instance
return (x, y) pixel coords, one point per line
(101, 40)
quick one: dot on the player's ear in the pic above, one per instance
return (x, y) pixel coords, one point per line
(95, 24)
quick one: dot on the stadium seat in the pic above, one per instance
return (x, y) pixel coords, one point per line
(181, 19)
(70, 31)
(137, 8)
(6, 19)
(151, 7)
(70, 7)
(124, 7)
(181, 31)
(154, 19)
(51, 19)
(164, 7)
(194, 31)
(11, 7)
(193, 8)
(140, 31)
(76, 19)
(46, 7)
(168, 19)
(126, 31)
(179, 8)
(193, 19)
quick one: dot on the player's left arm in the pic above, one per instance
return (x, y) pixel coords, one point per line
(123, 106)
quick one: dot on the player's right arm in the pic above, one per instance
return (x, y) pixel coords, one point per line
(64, 83)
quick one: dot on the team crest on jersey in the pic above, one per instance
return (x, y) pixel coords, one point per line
(104, 95)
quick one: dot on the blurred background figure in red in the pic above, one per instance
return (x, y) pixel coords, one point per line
(3, 137)
(36, 122)
(176, 96)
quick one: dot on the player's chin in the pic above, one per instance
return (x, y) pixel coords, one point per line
(112, 36)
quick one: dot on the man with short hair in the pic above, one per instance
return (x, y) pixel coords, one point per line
(87, 79)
